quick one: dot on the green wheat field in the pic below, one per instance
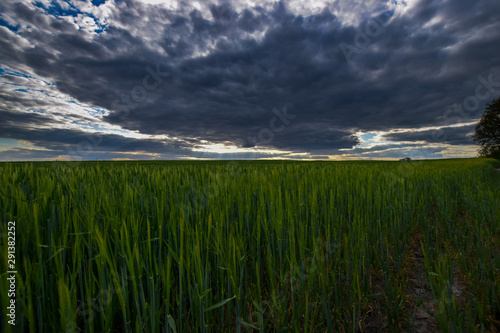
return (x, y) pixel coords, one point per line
(253, 246)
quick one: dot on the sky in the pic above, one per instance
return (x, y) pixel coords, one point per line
(248, 79)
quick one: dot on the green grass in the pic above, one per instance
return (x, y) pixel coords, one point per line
(248, 245)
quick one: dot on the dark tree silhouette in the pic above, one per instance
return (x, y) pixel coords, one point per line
(488, 131)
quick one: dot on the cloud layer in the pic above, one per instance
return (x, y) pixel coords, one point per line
(245, 79)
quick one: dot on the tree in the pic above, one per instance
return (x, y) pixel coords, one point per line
(488, 131)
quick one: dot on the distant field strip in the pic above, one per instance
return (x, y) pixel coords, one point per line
(253, 246)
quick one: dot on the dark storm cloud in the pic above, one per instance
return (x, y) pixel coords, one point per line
(32, 127)
(450, 135)
(27, 154)
(54, 138)
(218, 74)
(12, 121)
(382, 148)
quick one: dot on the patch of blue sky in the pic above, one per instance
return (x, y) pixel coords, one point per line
(45, 93)
(97, 3)
(56, 10)
(96, 112)
(11, 72)
(21, 90)
(7, 144)
(37, 111)
(101, 29)
(48, 83)
(13, 28)
(367, 140)
(16, 73)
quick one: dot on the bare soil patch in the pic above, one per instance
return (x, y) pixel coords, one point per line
(419, 302)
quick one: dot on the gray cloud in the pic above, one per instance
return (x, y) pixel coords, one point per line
(450, 135)
(228, 69)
